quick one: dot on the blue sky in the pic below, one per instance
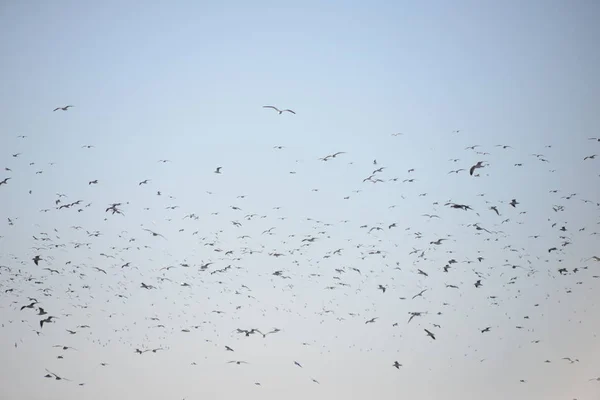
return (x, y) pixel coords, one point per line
(186, 81)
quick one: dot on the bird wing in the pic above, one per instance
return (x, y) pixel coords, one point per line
(273, 107)
(289, 111)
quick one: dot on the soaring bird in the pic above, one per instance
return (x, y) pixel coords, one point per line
(4, 181)
(218, 170)
(431, 335)
(278, 110)
(397, 364)
(237, 362)
(65, 108)
(590, 157)
(36, 260)
(474, 167)
(155, 234)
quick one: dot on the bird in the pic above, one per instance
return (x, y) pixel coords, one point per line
(56, 377)
(4, 181)
(155, 234)
(278, 110)
(486, 329)
(397, 364)
(370, 321)
(474, 167)
(36, 260)
(590, 157)
(218, 170)
(420, 294)
(237, 362)
(431, 335)
(65, 108)
(46, 320)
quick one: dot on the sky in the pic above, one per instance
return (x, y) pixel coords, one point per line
(282, 240)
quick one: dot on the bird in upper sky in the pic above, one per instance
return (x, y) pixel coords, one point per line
(280, 111)
(218, 170)
(474, 167)
(65, 108)
(431, 335)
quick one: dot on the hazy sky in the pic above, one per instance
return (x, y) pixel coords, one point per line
(186, 81)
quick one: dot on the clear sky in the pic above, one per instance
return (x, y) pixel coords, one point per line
(187, 81)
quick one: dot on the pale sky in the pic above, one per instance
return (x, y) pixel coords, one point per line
(186, 81)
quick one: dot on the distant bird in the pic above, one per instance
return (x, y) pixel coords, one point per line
(144, 182)
(431, 335)
(298, 364)
(56, 377)
(65, 108)
(397, 364)
(154, 233)
(218, 170)
(46, 321)
(278, 110)
(420, 294)
(486, 329)
(4, 181)
(514, 203)
(36, 260)
(237, 362)
(370, 321)
(590, 157)
(474, 167)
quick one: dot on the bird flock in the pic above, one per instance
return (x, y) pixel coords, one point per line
(359, 278)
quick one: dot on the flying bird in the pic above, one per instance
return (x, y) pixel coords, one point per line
(278, 110)
(474, 167)
(65, 108)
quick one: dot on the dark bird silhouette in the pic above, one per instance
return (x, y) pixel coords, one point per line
(476, 166)
(280, 111)
(431, 335)
(65, 108)
(46, 321)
